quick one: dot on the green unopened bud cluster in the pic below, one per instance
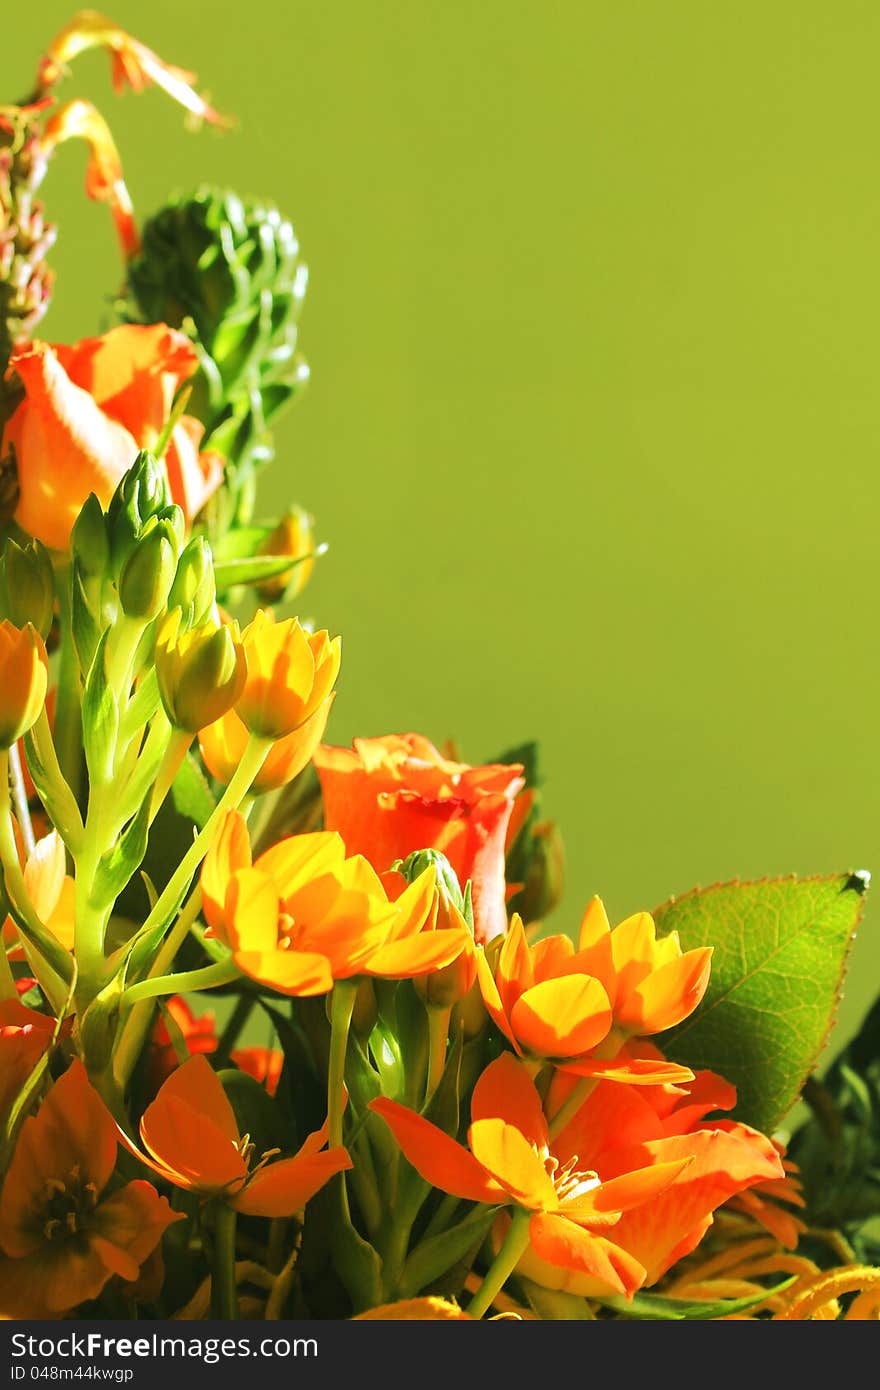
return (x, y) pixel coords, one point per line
(27, 585)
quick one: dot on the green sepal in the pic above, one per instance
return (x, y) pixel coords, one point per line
(100, 718)
(120, 863)
(430, 1260)
(657, 1308)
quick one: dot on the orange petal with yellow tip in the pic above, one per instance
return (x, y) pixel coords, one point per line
(230, 851)
(416, 955)
(505, 1090)
(563, 1017)
(635, 1071)
(514, 970)
(560, 1242)
(550, 957)
(440, 1160)
(594, 924)
(283, 1188)
(629, 1190)
(492, 999)
(668, 995)
(504, 1152)
(252, 909)
(188, 1149)
(296, 973)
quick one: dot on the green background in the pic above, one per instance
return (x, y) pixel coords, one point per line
(592, 428)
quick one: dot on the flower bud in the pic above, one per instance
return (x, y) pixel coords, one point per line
(148, 572)
(89, 540)
(290, 674)
(543, 880)
(28, 585)
(447, 879)
(24, 677)
(365, 1010)
(193, 590)
(201, 672)
(293, 536)
(140, 494)
(442, 988)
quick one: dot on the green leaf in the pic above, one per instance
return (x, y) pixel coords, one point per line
(656, 1307)
(120, 863)
(193, 799)
(100, 718)
(255, 569)
(439, 1253)
(780, 950)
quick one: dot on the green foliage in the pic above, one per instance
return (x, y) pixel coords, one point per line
(780, 953)
(656, 1308)
(838, 1148)
(229, 273)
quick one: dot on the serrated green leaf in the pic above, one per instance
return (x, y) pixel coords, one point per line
(433, 1257)
(657, 1308)
(780, 950)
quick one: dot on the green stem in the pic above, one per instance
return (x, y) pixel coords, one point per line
(224, 1290)
(68, 708)
(504, 1264)
(252, 760)
(341, 1007)
(20, 801)
(186, 981)
(172, 762)
(570, 1107)
(443, 1215)
(7, 979)
(438, 1035)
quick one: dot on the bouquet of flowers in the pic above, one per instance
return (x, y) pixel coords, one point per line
(459, 1115)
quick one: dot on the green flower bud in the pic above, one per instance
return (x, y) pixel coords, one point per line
(201, 672)
(89, 540)
(447, 879)
(148, 572)
(27, 584)
(142, 492)
(194, 590)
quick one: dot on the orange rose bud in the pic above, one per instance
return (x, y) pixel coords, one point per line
(390, 796)
(201, 673)
(222, 746)
(290, 673)
(24, 678)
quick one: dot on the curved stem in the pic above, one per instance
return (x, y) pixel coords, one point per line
(208, 977)
(504, 1264)
(68, 712)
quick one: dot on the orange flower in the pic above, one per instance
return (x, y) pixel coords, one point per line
(24, 1037)
(618, 1126)
(303, 915)
(52, 893)
(290, 673)
(510, 1160)
(552, 1001)
(199, 1034)
(264, 1064)
(133, 64)
(762, 1203)
(390, 796)
(60, 1238)
(191, 1139)
(87, 411)
(222, 745)
(24, 678)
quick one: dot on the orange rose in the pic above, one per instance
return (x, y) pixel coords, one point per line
(87, 411)
(390, 796)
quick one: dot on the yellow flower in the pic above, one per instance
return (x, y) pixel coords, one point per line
(290, 673)
(201, 673)
(24, 676)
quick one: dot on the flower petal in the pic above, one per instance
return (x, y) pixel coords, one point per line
(282, 1188)
(440, 1160)
(562, 1243)
(505, 1153)
(563, 1017)
(506, 1091)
